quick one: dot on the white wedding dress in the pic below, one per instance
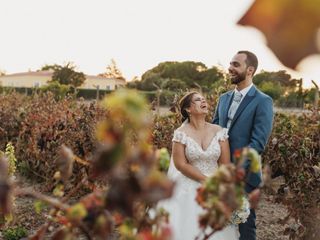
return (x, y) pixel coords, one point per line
(182, 206)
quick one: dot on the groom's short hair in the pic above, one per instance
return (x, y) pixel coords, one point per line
(251, 60)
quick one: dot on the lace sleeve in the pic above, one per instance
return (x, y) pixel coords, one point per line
(179, 137)
(222, 134)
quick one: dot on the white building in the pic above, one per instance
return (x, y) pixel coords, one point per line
(41, 78)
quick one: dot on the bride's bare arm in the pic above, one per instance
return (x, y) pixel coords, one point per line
(182, 164)
(225, 152)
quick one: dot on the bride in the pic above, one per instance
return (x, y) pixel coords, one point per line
(198, 148)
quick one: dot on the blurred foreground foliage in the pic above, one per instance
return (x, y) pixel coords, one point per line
(118, 160)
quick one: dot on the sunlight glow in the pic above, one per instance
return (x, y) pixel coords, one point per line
(137, 34)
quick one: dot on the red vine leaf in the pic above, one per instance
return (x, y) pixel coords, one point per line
(289, 26)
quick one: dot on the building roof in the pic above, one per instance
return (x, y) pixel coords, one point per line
(31, 73)
(50, 72)
(98, 77)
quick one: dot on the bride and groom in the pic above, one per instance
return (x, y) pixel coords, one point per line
(243, 118)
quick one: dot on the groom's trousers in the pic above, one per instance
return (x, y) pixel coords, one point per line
(248, 229)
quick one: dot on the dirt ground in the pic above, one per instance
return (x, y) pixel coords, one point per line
(268, 214)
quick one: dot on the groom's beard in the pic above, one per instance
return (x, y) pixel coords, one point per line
(238, 78)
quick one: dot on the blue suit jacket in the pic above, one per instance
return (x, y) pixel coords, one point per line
(251, 125)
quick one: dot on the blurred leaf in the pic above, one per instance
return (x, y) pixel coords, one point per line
(219, 196)
(58, 191)
(122, 194)
(12, 161)
(93, 200)
(156, 187)
(255, 159)
(62, 234)
(127, 105)
(76, 212)
(254, 197)
(65, 162)
(103, 226)
(289, 26)
(13, 233)
(164, 159)
(4, 166)
(40, 233)
(39, 205)
(106, 158)
(5, 188)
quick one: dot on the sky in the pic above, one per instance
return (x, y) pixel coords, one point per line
(137, 34)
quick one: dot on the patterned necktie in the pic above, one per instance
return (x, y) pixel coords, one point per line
(234, 106)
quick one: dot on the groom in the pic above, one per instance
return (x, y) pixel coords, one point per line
(248, 114)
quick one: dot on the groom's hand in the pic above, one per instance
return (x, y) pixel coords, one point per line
(254, 198)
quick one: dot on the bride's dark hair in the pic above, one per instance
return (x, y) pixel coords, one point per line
(184, 103)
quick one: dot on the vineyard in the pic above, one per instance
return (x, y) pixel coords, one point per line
(97, 170)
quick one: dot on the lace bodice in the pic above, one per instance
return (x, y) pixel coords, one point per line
(205, 160)
(182, 206)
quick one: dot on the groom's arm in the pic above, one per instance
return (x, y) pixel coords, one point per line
(261, 131)
(262, 125)
(216, 114)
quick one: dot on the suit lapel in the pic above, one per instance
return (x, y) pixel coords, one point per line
(247, 99)
(226, 109)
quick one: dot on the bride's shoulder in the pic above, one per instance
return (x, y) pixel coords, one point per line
(220, 133)
(214, 127)
(179, 135)
(183, 129)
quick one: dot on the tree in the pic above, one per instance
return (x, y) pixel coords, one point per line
(67, 75)
(112, 71)
(274, 90)
(211, 76)
(134, 83)
(59, 90)
(316, 95)
(50, 67)
(269, 81)
(174, 84)
(188, 72)
(148, 83)
(281, 77)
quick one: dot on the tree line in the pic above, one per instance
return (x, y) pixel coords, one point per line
(168, 78)
(171, 77)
